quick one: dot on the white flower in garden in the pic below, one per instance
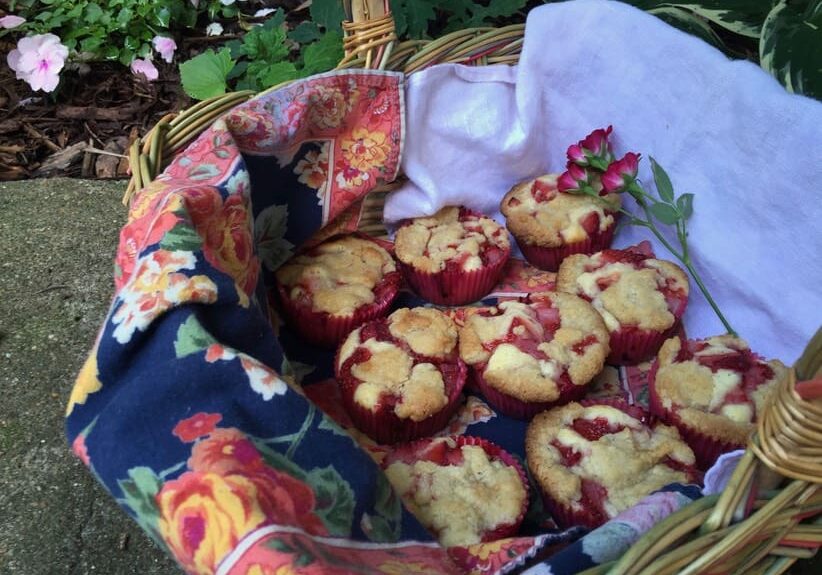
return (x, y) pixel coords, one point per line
(38, 60)
(146, 68)
(226, 2)
(264, 12)
(195, 3)
(165, 47)
(11, 21)
(214, 29)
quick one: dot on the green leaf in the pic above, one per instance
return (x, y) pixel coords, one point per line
(304, 33)
(191, 338)
(322, 55)
(663, 183)
(685, 205)
(743, 17)
(266, 43)
(162, 17)
(269, 236)
(385, 525)
(790, 48)
(688, 22)
(335, 500)
(274, 74)
(204, 76)
(139, 493)
(413, 16)
(468, 14)
(93, 13)
(181, 237)
(277, 460)
(328, 13)
(664, 213)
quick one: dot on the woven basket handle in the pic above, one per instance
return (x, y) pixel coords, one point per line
(369, 34)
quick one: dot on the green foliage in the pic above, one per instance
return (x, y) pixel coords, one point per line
(111, 29)
(204, 76)
(264, 57)
(791, 46)
(413, 17)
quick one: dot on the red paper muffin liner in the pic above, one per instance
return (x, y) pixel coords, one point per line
(454, 287)
(630, 345)
(706, 448)
(517, 408)
(384, 426)
(548, 259)
(421, 451)
(327, 330)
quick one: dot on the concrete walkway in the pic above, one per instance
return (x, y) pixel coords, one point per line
(57, 243)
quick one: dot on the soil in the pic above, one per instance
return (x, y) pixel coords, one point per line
(85, 127)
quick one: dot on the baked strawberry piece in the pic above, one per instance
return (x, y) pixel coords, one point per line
(549, 225)
(641, 298)
(333, 287)
(713, 391)
(401, 377)
(528, 356)
(454, 257)
(464, 489)
(595, 459)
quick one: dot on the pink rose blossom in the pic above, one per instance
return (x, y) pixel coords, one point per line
(594, 150)
(574, 179)
(621, 174)
(146, 68)
(38, 60)
(11, 21)
(165, 47)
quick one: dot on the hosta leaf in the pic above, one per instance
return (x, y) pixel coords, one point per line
(743, 17)
(204, 76)
(688, 22)
(791, 46)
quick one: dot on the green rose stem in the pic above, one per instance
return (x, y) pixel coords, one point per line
(675, 213)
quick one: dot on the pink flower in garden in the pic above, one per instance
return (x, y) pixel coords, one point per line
(38, 60)
(573, 180)
(146, 68)
(621, 174)
(594, 150)
(165, 47)
(11, 21)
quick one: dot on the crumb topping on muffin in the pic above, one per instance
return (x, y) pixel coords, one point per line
(538, 213)
(338, 276)
(453, 236)
(716, 385)
(453, 499)
(603, 459)
(626, 287)
(398, 361)
(532, 351)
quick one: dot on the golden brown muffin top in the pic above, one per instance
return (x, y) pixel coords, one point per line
(537, 213)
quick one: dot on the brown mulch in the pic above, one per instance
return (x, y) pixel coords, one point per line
(85, 129)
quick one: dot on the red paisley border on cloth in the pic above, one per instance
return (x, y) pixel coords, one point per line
(360, 114)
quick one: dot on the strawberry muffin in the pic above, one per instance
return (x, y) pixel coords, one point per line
(712, 390)
(454, 257)
(641, 298)
(549, 225)
(401, 377)
(593, 460)
(528, 356)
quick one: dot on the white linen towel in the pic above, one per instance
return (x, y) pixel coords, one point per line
(724, 130)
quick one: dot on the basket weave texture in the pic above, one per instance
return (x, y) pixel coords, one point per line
(769, 515)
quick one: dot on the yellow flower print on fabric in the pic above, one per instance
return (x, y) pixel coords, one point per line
(87, 383)
(155, 287)
(365, 150)
(203, 516)
(327, 106)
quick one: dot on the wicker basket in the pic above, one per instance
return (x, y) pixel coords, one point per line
(769, 515)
